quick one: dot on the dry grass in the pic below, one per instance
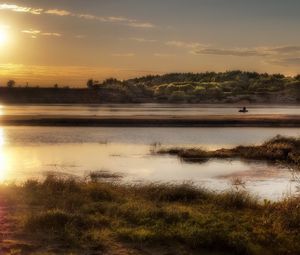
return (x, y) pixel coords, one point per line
(91, 216)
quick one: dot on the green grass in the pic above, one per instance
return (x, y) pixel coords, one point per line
(95, 216)
(281, 149)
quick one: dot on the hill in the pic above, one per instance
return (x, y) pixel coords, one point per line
(209, 87)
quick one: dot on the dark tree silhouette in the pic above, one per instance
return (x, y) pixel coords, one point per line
(11, 83)
(90, 83)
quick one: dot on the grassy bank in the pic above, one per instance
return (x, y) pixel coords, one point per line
(285, 150)
(97, 216)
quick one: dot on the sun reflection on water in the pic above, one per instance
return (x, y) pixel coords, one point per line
(3, 159)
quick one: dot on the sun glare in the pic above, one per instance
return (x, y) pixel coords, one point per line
(3, 35)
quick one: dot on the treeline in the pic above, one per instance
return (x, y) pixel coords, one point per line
(232, 86)
(208, 87)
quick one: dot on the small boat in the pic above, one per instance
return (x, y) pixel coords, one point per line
(243, 110)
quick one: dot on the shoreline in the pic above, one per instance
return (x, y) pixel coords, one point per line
(266, 120)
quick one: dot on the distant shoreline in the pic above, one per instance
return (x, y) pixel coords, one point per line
(180, 104)
(232, 87)
(267, 120)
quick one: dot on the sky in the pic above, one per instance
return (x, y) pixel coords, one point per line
(44, 42)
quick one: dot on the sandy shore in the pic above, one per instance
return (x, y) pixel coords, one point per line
(155, 121)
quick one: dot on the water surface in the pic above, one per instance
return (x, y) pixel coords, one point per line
(145, 109)
(32, 152)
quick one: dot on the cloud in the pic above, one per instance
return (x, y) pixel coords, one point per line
(123, 55)
(58, 12)
(17, 8)
(267, 52)
(140, 25)
(90, 17)
(31, 32)
(120, 20)
(279, 55)
(284, 55)
(181, 44)
(35, 33)
(237, 52)
(52, 34)
(204, 49)
(142, 40)
(285, 50)
(285, 61)
(249, 52)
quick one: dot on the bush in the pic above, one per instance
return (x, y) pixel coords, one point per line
(185, 192)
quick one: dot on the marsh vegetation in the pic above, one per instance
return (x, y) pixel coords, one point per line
(97, 216)
(285, 150)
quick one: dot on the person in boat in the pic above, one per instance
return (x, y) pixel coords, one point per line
(244, 109)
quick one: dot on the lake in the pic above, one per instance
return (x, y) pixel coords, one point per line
(143, 109)
(33, 152)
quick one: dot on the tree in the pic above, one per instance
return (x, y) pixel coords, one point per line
(177, 96)
(112, 81)
(90, 83)
(11, 83)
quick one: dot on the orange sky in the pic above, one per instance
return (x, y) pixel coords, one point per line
(66, 42)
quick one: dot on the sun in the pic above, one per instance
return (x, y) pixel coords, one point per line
(3, 36)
